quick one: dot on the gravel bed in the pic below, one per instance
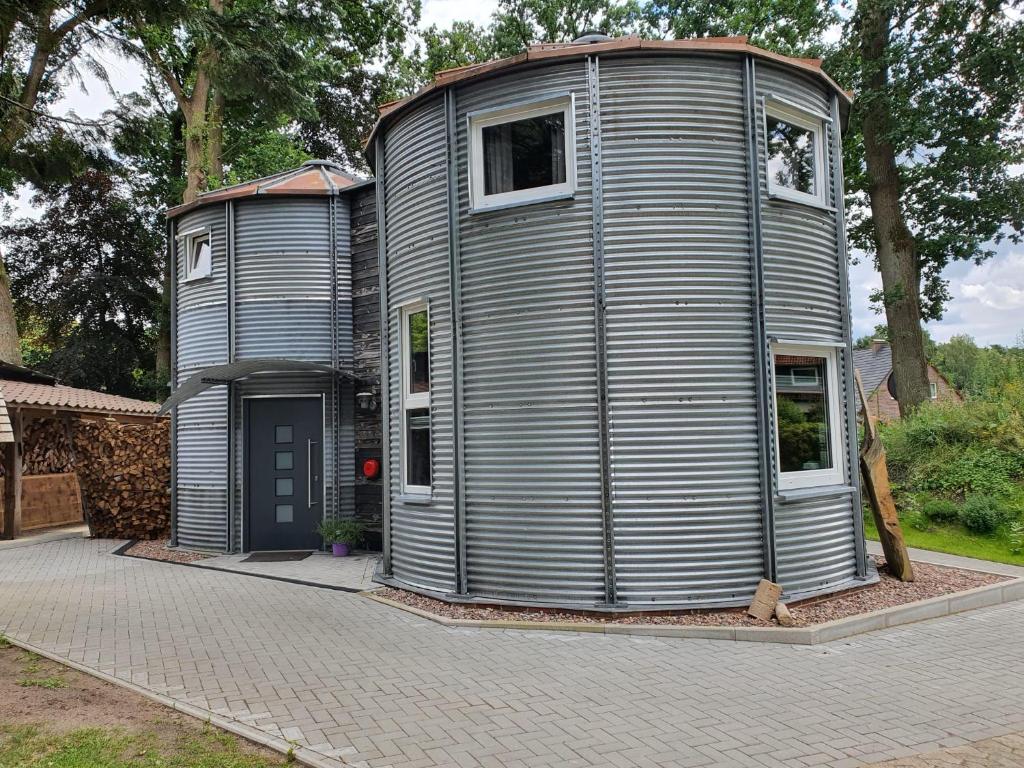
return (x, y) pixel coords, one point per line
(158, 550)
(930, 581)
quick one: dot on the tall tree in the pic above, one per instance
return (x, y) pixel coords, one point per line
(86, 276)
(935, 132)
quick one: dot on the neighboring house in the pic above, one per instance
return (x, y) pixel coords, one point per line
(875, 366)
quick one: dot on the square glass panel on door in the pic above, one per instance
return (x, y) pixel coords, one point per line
(283, 472)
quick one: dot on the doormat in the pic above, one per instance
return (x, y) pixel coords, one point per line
(276, 557)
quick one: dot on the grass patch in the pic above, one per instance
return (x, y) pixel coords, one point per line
(4, 642)
(954, 540)
(50, 683)
(32, 747)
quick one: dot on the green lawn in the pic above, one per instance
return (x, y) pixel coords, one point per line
(32, 747)
(953, 540)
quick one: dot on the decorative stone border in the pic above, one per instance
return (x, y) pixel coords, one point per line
(932, 608)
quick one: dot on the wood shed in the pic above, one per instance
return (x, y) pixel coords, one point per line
(73, 455)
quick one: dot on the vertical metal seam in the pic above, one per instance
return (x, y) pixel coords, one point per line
(761, 359)
(455, 304)
(332, 222)
(853, 466)
(385, 407)
(600, 328)
(229, 257)
(172, 251)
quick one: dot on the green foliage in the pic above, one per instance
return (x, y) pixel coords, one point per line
(958, 449)
(85, 282)
(342, 531)
(49, 683)
(983, 372)
(1016, 537)
(980, 514)
(940, 510)
(942, 87)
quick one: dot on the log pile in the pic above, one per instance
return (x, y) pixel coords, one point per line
(46, 447)
(125, 474)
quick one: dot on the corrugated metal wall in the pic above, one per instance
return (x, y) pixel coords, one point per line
(282, 293)
(815, 544)
(416, 221)
(533, 482)
(201, 425)
(683, 428)
(681, 376)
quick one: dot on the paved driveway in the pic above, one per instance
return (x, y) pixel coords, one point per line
(365, 684)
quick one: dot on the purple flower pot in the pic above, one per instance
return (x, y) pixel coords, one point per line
(340, 549)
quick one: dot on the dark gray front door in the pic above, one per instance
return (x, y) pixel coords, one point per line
(284, 466)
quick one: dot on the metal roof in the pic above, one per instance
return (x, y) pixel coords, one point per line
(60, 397)
(6, 431)
(543, 52)
(313, 177)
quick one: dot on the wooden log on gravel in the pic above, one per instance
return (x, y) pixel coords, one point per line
(876, 482)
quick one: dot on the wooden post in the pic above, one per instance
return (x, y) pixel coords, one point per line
(12, 480)
(876, 481)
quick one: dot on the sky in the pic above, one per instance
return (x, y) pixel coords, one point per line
(988, 299)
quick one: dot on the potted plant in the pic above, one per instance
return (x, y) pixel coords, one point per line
(342, 535)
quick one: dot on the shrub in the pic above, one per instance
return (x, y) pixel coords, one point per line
(341, 531)
(980, 514)
(1017, 537)
(940, 510)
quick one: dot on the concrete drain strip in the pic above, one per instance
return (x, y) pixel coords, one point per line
(303, 755)
(932, 608)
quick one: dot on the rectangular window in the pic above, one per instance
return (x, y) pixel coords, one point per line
(794, 154)
(807, 423)
(416, 445)
(933, 390)
(522, 154)
(198, 256)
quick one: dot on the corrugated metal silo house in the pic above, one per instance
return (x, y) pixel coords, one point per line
(615, 362)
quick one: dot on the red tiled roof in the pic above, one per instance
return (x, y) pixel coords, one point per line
(314, 177)
(545, 51)
(21, 393)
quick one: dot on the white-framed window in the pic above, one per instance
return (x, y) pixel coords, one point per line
(414, 348)
(808, 424)
(522, 154)
(198, 255)
(933, 390)
(795, 157)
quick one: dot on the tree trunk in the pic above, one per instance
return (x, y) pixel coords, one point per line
(897, 252)
(10, 349)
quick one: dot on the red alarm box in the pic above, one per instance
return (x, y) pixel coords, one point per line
(371, 469)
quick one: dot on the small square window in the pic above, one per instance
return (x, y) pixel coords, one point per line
(283, 486)
(794, 154)
(933, 390)
(283, 433)
(283, 460)
(198, 256)
(522, 154)
(284, 513)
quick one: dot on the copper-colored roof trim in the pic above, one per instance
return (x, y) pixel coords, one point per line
(547, 51)
(314, 177)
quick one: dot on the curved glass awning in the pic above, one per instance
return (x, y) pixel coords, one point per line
(216, 375)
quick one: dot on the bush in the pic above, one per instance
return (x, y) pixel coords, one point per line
(341, 531)
(940, 510)
(980, 514)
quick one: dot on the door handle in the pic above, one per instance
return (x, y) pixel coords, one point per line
(313, 477)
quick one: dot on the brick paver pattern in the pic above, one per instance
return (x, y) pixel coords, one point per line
(370, 685)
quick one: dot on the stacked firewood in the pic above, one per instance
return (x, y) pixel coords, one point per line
(125, 474)
(46, 446)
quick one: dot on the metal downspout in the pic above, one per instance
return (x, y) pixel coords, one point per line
(173, 320)
(455, 296)
(385, 403)
(844, 297)
(600, 326)
(229, 247)
(761, 357)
